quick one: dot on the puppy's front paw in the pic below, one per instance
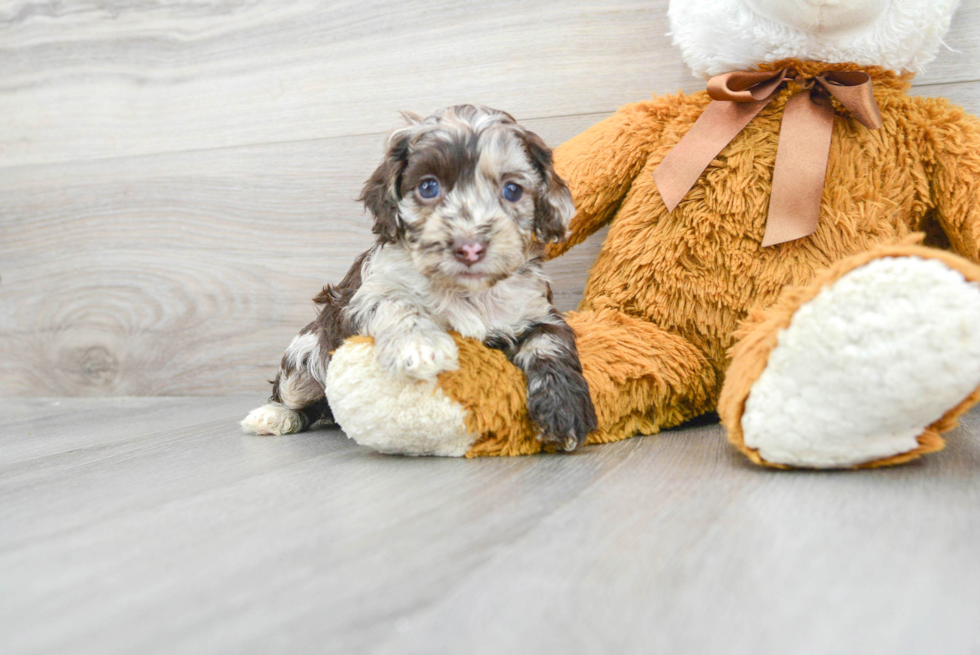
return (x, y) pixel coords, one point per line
(422, 356)
(561, 407)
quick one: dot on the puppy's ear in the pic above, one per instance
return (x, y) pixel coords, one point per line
(380, 194)
(554, 208)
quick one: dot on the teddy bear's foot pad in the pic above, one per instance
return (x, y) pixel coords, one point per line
(397, 415)
(867, 365)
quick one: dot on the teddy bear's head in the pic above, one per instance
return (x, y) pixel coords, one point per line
(718, 36)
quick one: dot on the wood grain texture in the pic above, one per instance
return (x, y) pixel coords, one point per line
(177, 178)
(151, 525)
(91, 80)
(965, 94)
(186, 273)
(94, 81)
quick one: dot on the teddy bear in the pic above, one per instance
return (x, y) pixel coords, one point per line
(795, 248)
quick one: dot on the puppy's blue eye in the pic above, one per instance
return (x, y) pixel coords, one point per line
(512, 192)
(429, 189)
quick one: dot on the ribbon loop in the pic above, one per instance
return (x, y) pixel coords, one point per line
(804, 140)
(746, 86)
(854, 91)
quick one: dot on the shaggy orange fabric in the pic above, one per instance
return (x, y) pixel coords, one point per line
(668, 291)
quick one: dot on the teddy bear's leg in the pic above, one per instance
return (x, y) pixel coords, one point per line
(477, 409)
(864, 367)
(640, 378)
(397, 415)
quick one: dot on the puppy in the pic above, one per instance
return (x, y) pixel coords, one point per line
(463, 203)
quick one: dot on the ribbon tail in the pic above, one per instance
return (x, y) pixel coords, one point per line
(717, 125)
(800, 169)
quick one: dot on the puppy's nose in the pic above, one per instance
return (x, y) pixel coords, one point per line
(469, 251)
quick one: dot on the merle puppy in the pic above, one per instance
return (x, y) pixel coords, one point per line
(463, 204)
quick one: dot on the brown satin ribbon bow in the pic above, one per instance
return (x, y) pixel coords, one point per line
(804, 140)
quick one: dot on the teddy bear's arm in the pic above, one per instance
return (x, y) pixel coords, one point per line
(600, 164)
(955, 184)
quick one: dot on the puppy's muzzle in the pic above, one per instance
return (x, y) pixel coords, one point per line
(469, 251)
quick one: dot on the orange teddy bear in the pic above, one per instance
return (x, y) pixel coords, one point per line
(846, 344)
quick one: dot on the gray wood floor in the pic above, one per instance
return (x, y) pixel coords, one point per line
(177, 179)
(151, 525)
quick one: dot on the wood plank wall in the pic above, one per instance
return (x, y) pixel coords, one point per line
(177, 178)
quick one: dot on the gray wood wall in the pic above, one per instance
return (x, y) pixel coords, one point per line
(177, 178)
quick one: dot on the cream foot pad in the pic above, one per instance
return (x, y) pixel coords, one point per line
(867, 365)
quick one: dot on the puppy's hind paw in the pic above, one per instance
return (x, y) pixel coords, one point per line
(273, 419)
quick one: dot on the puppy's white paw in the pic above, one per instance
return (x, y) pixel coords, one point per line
(272, 419)
(419, 355)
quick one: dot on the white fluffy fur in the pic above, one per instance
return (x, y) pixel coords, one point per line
(306, 347)
(542, 346)
(409, 315)
(393, 415)
(304, 384)
(867, 365)
(718, 36)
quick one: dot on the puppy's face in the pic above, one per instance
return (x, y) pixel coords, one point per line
(470, 194)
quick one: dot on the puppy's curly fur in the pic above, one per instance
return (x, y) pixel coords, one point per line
(464, 202)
